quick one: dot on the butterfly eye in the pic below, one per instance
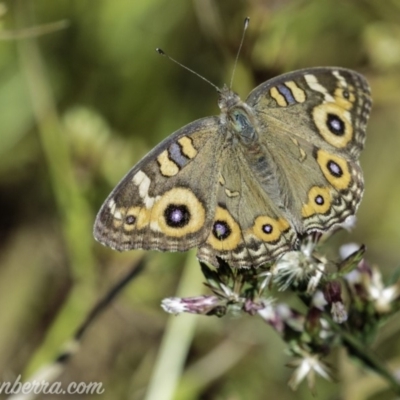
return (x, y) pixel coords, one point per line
(222, 102)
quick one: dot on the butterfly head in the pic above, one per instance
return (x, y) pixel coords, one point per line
(228, 99)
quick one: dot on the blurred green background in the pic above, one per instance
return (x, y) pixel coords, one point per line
(83, 96)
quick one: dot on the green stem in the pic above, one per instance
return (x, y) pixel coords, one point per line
(365, 355)
(75, 214)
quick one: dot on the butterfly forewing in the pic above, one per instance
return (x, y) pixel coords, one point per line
(166, 202)
(327, 106)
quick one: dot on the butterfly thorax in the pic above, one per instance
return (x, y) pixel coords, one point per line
(242, 127)
(238, 117)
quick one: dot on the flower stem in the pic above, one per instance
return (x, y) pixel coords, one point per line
(364, 354)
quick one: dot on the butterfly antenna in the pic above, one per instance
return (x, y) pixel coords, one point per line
(161, 52)
(245, 26)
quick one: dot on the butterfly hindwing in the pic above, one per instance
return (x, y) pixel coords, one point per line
(248, 228)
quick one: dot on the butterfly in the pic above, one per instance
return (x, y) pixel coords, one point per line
(245, 185)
